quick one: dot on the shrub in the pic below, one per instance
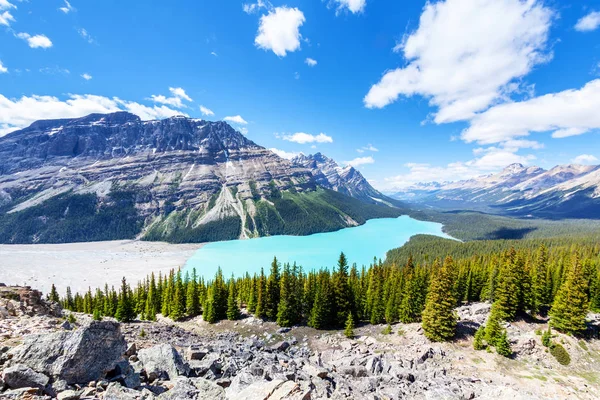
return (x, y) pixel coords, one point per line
(387, 330)
(478, 342)
(142, 333)
(547, 338)
(560, 353)
(583, 345)
(401, 332)
(538, 332)
(71, 319)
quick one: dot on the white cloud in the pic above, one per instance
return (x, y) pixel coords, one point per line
(279, 30)
(56, 70)
(86, 35)
(368, 147)
(251, 8)
(304, 138)
(20, 113)
(357, 162)
(86, 76)
(6, 18)
(36, 41)
(354, 6)
(67, 7)
(214, 54)
(464, 58)
(310, 62)
(237, 119)
(567, 113)
(3, 69)
(585, 159)
(206, 111)
(6, 5)
(242, 130)
(285, 154)
(589, 23)
(491, 160)
(178, 95)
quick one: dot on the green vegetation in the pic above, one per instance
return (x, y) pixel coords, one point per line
(387, 293)
(73, 218)
(560, 353)
(349, 329)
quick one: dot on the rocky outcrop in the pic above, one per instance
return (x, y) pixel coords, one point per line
(162, 361)
(16, 301)
(20, 376)
(80, 356)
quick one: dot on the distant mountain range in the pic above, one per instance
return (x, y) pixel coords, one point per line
(114, 176)
(565, 191)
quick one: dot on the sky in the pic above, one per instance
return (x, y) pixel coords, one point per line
(406, 91)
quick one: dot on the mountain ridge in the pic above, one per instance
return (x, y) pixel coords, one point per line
(180, 179)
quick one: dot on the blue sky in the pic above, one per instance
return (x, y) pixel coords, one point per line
(407, 91)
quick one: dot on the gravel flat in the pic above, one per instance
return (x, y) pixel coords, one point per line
(80, 265)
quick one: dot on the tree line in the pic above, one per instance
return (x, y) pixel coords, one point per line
(561, 280)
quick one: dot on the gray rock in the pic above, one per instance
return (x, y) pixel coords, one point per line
(115, 391)
(194, 389)
(68, 395)
(195, 353)
(79, 356)
(20, 376)
(162, 361)
(280, 347)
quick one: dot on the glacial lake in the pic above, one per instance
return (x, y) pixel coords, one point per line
(360, 244)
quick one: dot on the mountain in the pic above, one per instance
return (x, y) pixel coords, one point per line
(114, 176)
(347, 180)
(565, 191)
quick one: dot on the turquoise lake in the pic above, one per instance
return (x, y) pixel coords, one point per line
(360, 244)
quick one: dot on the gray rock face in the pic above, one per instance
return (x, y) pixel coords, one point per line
(162, 361)
(20, 376)
(79, 356)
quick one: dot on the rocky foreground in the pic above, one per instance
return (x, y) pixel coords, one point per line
(44, 356)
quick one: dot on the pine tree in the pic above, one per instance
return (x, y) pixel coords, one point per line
(192, 298)
(261, 302)
(150, 306)
(177, 306)
(209, 314)
(349, 330)
(69, 303)
(253, 298)
(507, 292)
(502, 345)
(343, 295)
(53, 296)
(321, 316)
(439, 320)
(125, 311)
(233, 310)
(97, 316)
(287, 311)
(539, 283)
(273, 294)
(492, 329)
(570, 306)
(478, 342)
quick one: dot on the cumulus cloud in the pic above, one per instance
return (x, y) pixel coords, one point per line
(36, 41)
(310, 62)
(6, 5)
(67, 8)
(6, 18)
(279, 30)
(585, 159)
(176, 99)
(357, 162)
(3, 69)
(206, 111)
(86, 76)
(236, 119)
(589, 23)
(567, 113)
(354, 6)
(464, 58)
(304, 138)
(285, 154)
(21, 112)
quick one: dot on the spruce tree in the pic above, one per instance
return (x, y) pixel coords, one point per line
(233, 310)
(349, 330)
(125, 311)
(287, 311)
(570, 306)
(150, 306)
(261, 302)
(321, 316)
(492, 329)
(209, 314)
(439, 320)
(192, 298)
(273, 295)
(507, 292)
(177, 310)
(478, 341)
(503, 345)
(539, 283)
(343, 295)
(53, 296)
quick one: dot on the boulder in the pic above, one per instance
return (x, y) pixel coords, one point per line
(20, 376)
(68, 395)
(258, 391)
(162, 361)
(194, 389)
(115, 391)
(79, 356)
